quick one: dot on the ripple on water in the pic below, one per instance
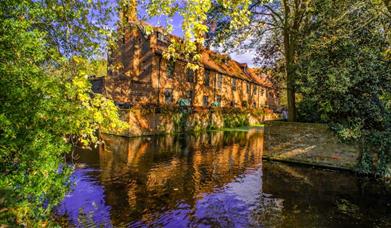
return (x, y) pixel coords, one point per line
(214, 180)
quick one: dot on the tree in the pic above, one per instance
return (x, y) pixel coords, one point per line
(194, 26)
(46, 101)
(274, 31)
(345, 79)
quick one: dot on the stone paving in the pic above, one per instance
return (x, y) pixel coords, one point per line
(307, 143)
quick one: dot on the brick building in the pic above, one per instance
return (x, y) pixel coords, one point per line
(141, 76)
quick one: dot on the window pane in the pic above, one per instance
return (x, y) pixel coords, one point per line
(170, 69)
(161, 37)
(205, 101)
(190, 76)
(168, 96)
(218, 100)
(219, 81)
(207, 78)
(190, 94)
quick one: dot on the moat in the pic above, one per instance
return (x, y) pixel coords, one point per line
(215, 179)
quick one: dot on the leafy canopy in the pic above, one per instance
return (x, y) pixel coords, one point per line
(345, 79)
(46, 102)
(194, 24)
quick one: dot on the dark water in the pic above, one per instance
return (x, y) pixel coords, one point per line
(216, 179)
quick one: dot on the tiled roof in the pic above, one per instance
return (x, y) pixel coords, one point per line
(222, 63)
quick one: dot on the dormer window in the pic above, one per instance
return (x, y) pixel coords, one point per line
(244, 68)
(161, 37)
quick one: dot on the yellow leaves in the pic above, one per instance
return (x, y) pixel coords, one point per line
(148, 29)
(98, 117)
(79, 83)
(387, 54)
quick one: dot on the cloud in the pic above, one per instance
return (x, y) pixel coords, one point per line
(246, 57)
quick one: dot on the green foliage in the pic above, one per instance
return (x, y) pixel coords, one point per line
(345, 78)
(97, 67)
(194, 14)
(179, 120)
(45, 104)
(235, 118)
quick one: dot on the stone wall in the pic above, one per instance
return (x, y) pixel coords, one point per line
(141, 122)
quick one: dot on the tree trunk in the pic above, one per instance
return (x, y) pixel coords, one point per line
(289, 52)
(290, 77)
(291, 98)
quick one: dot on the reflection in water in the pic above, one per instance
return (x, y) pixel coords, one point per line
(215, 179)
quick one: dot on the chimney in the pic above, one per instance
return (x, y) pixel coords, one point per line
(128, 11)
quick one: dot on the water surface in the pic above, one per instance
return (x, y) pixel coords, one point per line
(216, 179)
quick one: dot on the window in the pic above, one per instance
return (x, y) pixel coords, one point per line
(219, 81)
(205, 101)
(170, 69)
(190, 94)
(254, 89)
(248, 87)
(262, 92)
(145, 47)
(168, 96)
(190, 76)
(244, 103)
(245, 69)
(207, 78)
(218, 100)
(234, 84)
(161, 37)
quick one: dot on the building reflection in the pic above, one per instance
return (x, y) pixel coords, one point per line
(143, 176)
(216, 179)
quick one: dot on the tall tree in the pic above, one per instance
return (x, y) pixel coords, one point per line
(46, 102)
(345, 78)
(274, 31)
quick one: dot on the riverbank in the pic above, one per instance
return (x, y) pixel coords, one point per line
(300, 143)
(307, 144)
(147, 122)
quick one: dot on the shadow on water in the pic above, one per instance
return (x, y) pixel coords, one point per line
(216, 179)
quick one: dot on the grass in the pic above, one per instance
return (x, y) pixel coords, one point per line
(243, 128)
